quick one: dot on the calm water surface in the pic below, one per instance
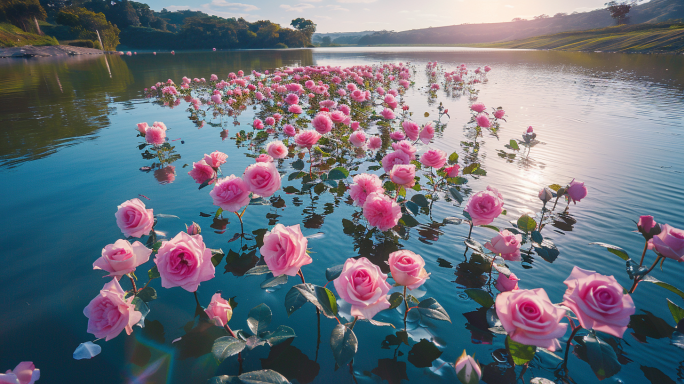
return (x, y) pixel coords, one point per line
(69, 156)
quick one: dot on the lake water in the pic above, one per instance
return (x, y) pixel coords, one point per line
(69, 155)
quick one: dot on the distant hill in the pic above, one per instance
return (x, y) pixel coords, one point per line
(651, 12)
(341, 37)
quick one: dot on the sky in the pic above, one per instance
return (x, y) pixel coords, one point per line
(391, 15)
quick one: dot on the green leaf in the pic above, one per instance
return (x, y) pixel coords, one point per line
(295, 175)
(338, 173)
(396, 299)
(258, 270)
(312, 294)
(456, 194)
(490, 227)
(614, 249)
(259, 318)
(153, 273)
(537, 237)
(147, 294)
(290, 189)
(298, 165)
(344, 344)
(326, 299)
(264, 376)
(217, 256)
(274, 281)
(409, 221)
(227, 346)
(520, 353)
(281, 334)
(432, 309)
(319, 188)
(650, 325)
(453, 158)
(676, 311)
(555, 187)
(218, 213)
(294, 300)
(401, 191)
(156, 246)
(667, 286)
(514, 145)
(413, 207)
(601, 357)
(526, 223)
(333, 273)
(470, 169)
(473, 244)
(389, 186)
(480, 296)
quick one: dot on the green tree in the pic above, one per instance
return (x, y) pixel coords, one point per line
(326, 41)
(22, 12)
(85, 23)
(305, 26)
(620, 11)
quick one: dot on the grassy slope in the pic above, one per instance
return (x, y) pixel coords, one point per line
(641, 38)
(11, 36)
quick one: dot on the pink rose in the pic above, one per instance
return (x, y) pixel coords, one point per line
(219, 310)
(284, 250)
(322, 123)
(397, 135)
(193, 229)
(184, 262)
(133, 219)
(506, 244)
(433, 158)
(506, 284)
(142, 128)
(338, 116)
(407, 147)
(669, 243)
(270, 121)
(277, 149)
(499, 113)
(403, 175)
(258, 124)
(296, 109)
(201, 172)
(598, 302)
(262, 178)
(230, 193)
(364, 184)
(411, 129)
(374, 142)
(264, 158)
(427, 133)
(155, 135)
(358, 139)
(576, 191)
(395, 158)
(646, 223)
(408, 269)
(122, 258)
(452, 171)
(387, 114)
(483, 121)
(159, 124)
(363, 285)
(546, 194)
(529, 318)
(289, 130)
(530, 129)
(381, 211)
(24, 373)
(485, 206)
(215, 159)
(165, 175)
(109, 313)
(478, 107)
(307, 139)
(292, 98)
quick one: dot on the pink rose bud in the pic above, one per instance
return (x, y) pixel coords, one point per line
(669, 243)
(529, 318)
(219, 310)
(109, 313)
(507, 283)
(530, 129)
(485, 206)
(133, 219)
(122, 258)
(648, 227)
(184, 262)
(142, 127)
(467, 369)
(381, 211)
(24, 373)
(576, 191)
(598, 302)
(193, 229)
(506, 244)
(284, 250)
(363, 285)
(408, 269)
(546, 194)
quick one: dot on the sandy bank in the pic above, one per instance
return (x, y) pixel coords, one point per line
(48, 51)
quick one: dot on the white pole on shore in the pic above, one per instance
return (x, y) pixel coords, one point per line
(99, 38)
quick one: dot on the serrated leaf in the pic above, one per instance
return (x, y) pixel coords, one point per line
(281, 334)
(153, 273)
(614, 249)
(227, 346)
(520, 353)
(432, 309)
(480, 296)
(344, 344)
(274, 281)
(259, 318)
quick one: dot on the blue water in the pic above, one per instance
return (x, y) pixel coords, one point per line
(69, 156)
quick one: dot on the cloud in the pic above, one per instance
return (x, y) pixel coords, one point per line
(357, 1)
(335, 7)
(509, 6)
(240, 6)
(311, 1)
(297, 7)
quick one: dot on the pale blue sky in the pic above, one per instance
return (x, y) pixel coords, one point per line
(398, 15)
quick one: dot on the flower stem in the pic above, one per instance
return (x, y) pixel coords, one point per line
(643, 254)
(230, 331)
(406, 311)
(470, 232)
(242, 227)
(637, 280)
(353, 323)
(568, 343)
(135, 291)
(301, 275)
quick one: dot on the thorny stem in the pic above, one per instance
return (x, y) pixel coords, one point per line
(135, 291)
(637, 280)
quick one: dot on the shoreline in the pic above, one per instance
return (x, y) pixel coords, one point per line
(28, 51)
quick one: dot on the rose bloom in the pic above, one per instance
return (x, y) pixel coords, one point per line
(505, 284)
(411, 129)
(184, 262)
(109, 313)
(230, 193)
(363, 285)
(292, 99)
(407, 147)
(289, 130)
(669, 243)
(264, 158)
(338, 116)
(381, 211)
(165, 175)
(393, 158)
(24, 373)
(478, 107)
(262, 179)
(296, 109)
(344, 108)
(427, 133)
(364, 184)
(576, 191)
(529, 318)
(277, 149)
(258, 124)
(133, 219)
(433, 158)
(307, 139)
(122, 258)
(142, 127)
(408, 269)
(485, 206)
(387, 114)
(397, 135)
(483, 121)
(374, 142)
(201, 172)
(499, 113)
(598, 302)
(358, 139)
(155, 135)
(506, 244)
(452, 171)
(215, 159)
(284, 250)
(322, 123)
(219, 310)
(403, 175)
(270, 121)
